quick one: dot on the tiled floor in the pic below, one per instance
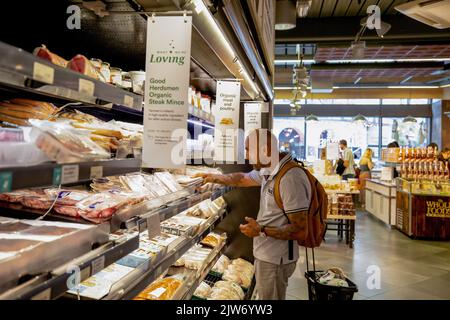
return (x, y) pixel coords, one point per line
(408, 269)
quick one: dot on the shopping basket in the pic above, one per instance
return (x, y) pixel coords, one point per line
(322, 292)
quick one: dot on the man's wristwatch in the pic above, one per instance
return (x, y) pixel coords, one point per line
(263, 231)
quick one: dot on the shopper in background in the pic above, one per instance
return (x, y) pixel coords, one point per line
(349, 160)
(365, 165)
(275, 256)
(394, 144)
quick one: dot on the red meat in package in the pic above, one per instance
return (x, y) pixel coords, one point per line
(67, 197)
(101, 206)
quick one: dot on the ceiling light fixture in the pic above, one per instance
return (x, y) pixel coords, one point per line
(409, 119)
(359, 119)
(303, 8)
(311, 118)
(286, 15)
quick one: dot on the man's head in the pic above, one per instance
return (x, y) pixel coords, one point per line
(261, 149)
(343, 144)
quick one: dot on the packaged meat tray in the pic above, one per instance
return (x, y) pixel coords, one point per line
(212, 240)
(164, 289)
(169, 181)
(203, 290)
(226, 290)
(66, 197)
(44, 53)
(221, 265)
(99, 285)
(100, 207)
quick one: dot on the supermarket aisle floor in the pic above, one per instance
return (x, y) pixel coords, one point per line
(409, 269)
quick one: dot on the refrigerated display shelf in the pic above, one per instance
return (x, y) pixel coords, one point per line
(55, 283)
(198, 279)
(53, 174)
(22, 70)
(131, 285)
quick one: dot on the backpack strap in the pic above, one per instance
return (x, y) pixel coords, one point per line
(276, 189)
(277, 195)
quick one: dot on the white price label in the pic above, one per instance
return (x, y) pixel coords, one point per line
(98, 264)
(43, 73)
(154, 225)
(128, 101)
(44, 295)
(157, 292)
(96, 172)
(70, 174)
(86, 87)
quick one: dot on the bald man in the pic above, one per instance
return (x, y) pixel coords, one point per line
(274, 251)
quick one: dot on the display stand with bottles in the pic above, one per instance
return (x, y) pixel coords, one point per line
(423, 195)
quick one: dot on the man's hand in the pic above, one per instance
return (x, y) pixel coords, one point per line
(238, 179)
(251, 229)
(207, 177)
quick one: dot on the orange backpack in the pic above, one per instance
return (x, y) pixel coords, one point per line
(317, 212)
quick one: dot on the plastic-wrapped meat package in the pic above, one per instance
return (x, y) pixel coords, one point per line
(100, 207)
(163, 289)
(169, 181)
(203, 290)
(11, 135)
(67, 197)
(16, 196)
(39, 202)
(247, 266)
(156, 186)
(137, 183)
(70, 211)
(226, 290)
(239, 275)
(109, 183)
(221, 264)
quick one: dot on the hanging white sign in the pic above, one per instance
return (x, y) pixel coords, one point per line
(166, 91)
(332, 151)
(252, 116)
(228, 98)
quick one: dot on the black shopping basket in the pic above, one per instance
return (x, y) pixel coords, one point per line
(322, 292)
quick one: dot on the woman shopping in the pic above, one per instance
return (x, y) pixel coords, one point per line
(365, 165)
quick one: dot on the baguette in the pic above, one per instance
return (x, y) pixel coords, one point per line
(20, 107)
(27, 102)
(23, 114)
(99, 131)
(14, 120)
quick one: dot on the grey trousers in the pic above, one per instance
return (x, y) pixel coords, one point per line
(272, 279)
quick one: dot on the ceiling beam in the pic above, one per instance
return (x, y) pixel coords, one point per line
(433, 93)
(336, 30)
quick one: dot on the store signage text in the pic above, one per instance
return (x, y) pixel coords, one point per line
(438, 209)
(166, 92)
(167, 59)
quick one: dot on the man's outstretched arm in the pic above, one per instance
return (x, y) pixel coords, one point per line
(238, 179)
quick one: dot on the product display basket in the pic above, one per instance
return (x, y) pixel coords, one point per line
(322, 292)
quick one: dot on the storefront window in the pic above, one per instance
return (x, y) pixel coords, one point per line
(406, 134)
(359, 136)
(290, 132)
